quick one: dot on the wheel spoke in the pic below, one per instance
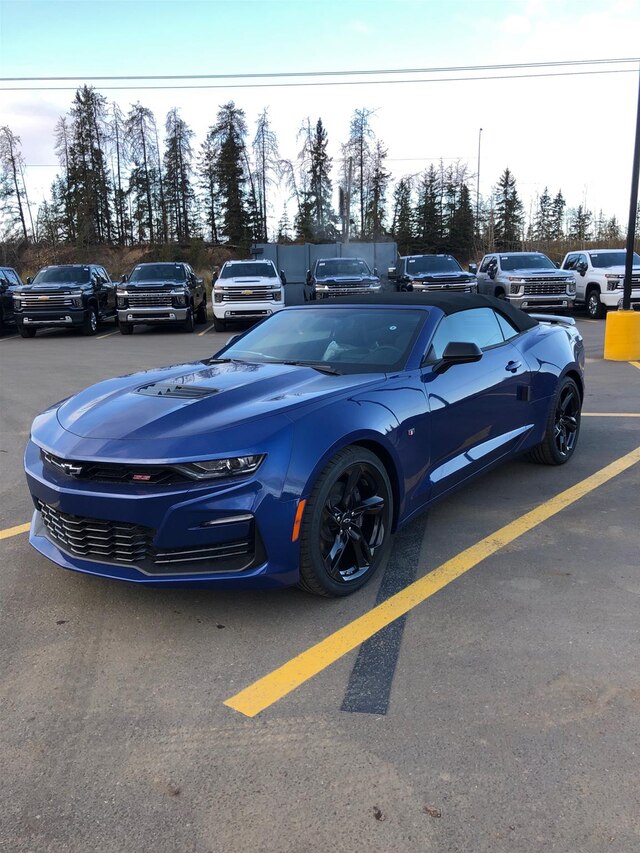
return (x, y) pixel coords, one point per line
(360, 548)
(334, 556)
(348, 495)
(372, 506)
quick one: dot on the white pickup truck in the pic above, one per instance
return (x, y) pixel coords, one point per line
(246, 290)
(599, 276)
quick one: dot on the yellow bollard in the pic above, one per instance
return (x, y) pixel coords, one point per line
(622, 336)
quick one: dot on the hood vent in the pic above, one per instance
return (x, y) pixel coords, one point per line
(172, 389)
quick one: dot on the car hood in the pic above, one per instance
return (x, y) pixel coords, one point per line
(617, 270)
(245, 281)
(53, 287)
(196, 399)
(340, 279)
(537, 273)
(145, 285)
(442, 276)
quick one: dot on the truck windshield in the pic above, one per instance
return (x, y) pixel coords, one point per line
(158, 272)
(432, 263)
(526, 262)
(341, 266)
(612, 259)
(63, 275)
(248, 270)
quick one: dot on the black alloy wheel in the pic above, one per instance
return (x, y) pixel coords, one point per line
(346, 527)
(563, 426)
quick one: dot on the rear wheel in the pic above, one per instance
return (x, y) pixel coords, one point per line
(563, 427)
(595, 308)
(90, 324)
(26, 332)
(219, 325)
(125, 328)
(201, 313)
(346, 526)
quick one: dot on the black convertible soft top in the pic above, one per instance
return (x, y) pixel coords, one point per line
(448, 303)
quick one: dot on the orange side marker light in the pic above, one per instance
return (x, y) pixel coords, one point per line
(298, 520)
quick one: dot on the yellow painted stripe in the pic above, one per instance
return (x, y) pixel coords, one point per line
(635, 364)
(14, 531)
(272, 687)
(611, 414)
(108, 335)
(204, 331)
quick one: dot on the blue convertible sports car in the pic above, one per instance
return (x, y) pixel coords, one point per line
(294, 454)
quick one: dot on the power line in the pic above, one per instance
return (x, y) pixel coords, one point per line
(332, 83)
(348, 73)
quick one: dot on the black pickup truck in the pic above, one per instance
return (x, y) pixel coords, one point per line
(76, 296)
(9, 283)
(161, 293)
(432, 274)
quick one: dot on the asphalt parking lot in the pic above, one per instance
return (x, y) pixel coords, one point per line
(499, 713)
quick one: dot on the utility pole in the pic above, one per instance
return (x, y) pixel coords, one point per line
(478, 180)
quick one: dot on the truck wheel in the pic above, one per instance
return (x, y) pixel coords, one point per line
(189, 324)
(500, 294)
(90, 325)
(125, 328)
(595, 308)
(219, 325)
(26, 332)
(201, 313)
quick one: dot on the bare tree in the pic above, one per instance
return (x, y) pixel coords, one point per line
(14, 189)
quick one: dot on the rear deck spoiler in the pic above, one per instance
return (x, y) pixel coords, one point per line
(554, 318)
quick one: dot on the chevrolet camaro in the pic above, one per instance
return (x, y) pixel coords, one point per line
(294, 453)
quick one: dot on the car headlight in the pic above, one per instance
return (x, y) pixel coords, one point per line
(179, 297)
(17, 303)
(233, 466)
(515, 288)
(614, 281)
(217, 294)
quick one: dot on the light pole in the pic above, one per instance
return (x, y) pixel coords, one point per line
(478, 179)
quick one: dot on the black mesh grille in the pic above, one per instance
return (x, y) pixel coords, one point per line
(113, 472)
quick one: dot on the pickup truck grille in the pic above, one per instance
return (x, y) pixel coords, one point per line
(43, 300)
(121, 543)
(545, 287)
(250, 294)
(439, 288)
(149, 300)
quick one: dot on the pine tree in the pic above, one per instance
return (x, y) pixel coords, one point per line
(580, 225)
(428, 222)
(462, 227)
(543, 220)
(229, 133)
(208, 183)
(319, 196)
(556, 230)
(140, 133)
(359, 144)
(375, 214)
(177, 163)
(13, 193)
(402, 227)
(508, 213)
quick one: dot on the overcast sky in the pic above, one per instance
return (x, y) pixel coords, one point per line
(569, 133)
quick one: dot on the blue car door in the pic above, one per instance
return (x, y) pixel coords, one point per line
(478, 412)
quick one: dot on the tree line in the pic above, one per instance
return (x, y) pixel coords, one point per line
(125, 181)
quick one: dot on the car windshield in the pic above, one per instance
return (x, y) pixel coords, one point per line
(63, 275)
(612, 259)
(158, 272)
(341, 266)
(248, 270)
(432, 263)
(526, 262)
(351, 340)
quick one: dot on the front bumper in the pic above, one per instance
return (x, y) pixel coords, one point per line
(152, 315)
(613, 298)
(535, 302)
(63, 316)
(240, 310)
(86, 519)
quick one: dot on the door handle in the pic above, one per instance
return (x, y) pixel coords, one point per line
(513, 366)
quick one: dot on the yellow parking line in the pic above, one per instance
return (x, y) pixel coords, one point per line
(611, 414)
(635, 364)
(277, 684)
(14, 531)
(204, 331)
(108, 334)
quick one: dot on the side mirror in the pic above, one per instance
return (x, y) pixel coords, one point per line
(375, 270)
(29, 280)
(473, 268)
(557, 263)
(308, 278)
(283, 277)
(582, 268)
(123, 278)
(491, 272)
(458, 352)
(392, 274)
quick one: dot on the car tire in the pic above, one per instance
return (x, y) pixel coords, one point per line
(189, 323)
(341, 550)
(90, 324)
(26, 331)
(219, 325)
(595, 308)
(563, 426)
(125, 328)
(201, 313)
(500, 294)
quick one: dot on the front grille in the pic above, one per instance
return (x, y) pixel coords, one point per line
(250, 294)
(438, 288)
(121, 543)
(149, 300)
(545, 287)
(57, 300)
(115, 472)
